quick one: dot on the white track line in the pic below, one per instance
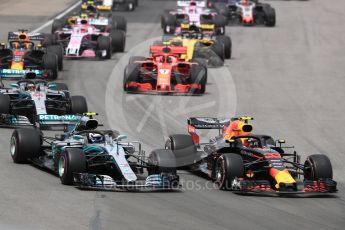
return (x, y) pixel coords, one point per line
(57, 17)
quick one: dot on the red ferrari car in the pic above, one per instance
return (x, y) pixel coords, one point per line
(165, 72)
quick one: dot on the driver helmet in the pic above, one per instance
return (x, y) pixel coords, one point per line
(95, 138)
(16, 45)
(31, 87)
(245, 2)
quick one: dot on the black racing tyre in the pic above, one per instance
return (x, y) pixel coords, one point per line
(50, 62)
(58, 50)
(57, 25)
(60, 86)
(131, 5)
(227, 44)
(71, 161)
(136, 58)
(219, 20)
(181, 144)
(222, 9)
(184, 149)
(202, 62)
(119, 23)
(78, 105)
(5, 103)
(162, 161)
(270, 15)
(227, 167)
(218, 48)
(199, 76)
(104, 43)
(48, 40)
(118, 40)
(170, 23)
(25, 144)
(131, 74)
(318, 166)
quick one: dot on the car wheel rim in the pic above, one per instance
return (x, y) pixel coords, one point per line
(219, 173)
(61, 166)
(13, 146)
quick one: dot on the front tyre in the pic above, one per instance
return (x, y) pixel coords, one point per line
(228, 167)
(318, 166)
(71, 161)
(78, 105)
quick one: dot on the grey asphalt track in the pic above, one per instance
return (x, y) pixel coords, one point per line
(290, 78)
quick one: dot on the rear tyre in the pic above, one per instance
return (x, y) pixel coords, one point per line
(227, 44)
(104, 44)
(318, 166)
(5, 103)
(131, 4)
(71, 161)
(270, 14)
(219, 23)
(218, 48)
(199, 76)
(184, 150)
(78, 105)
(170, 24)
(58, 50)
(25, 144)
(50, 63)
(48, 40)
(61, 86)
(118, 40)
(57, 25)
(119, 23)
(162, 161)
(228, 167)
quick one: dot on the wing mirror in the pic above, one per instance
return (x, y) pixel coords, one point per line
(14, 85)
(52, 86)
(120, 137)
(78, 137)
(280, 142)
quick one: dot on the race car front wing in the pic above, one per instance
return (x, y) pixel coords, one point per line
(105, 182)
(321, 186)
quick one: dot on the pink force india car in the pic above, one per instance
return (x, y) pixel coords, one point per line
(193, 12)
(83, 40)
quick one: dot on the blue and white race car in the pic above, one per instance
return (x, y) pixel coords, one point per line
(93, 159)
(23, 101)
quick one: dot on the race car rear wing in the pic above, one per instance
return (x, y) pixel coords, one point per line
(208, 122)
(18, 74)
(23, 35)
(168, 49)
(184, 3)
(195, 123)
(56, 122)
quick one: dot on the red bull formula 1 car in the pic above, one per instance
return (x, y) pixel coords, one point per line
(165, 72)
(243, 162)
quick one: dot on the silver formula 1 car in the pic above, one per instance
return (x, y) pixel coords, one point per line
(92, 158)
(23, 101)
